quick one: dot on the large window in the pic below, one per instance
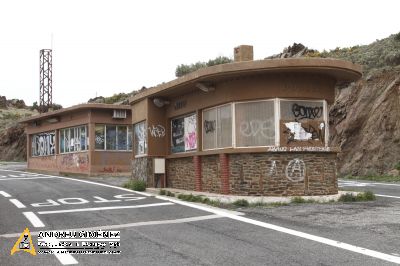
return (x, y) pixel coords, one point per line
(140, 138)
(255, 124)
(184, 133)
(217, 127)
(74, 139)
(113, 137)
(43, 144)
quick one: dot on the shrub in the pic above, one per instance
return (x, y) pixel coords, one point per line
(136, 185)
(297, 200)
(162, 192)
(170, 194)
(241, 203)
(397, 166)
(363, 196)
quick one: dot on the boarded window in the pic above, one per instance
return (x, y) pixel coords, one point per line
(184, 134)
(302, 110)
(43, 144)
(255, 124)
(217, 127)
(140, 141)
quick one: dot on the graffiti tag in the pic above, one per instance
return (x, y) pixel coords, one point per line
(263, 128)
(43, 144)
(302, 112)
(295, 170)
(157, 131)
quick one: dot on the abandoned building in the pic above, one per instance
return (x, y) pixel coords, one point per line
(86, 139)
(247, 127)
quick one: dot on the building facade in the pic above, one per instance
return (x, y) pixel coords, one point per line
(85, 139)
(246, 128)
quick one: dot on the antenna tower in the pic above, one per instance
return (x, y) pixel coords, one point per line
(46, 78)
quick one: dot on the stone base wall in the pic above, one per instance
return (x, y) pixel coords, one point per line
(61, 163)
(142, 169)
(269, 174)
(181, 173)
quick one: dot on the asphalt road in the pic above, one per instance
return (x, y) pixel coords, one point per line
(163, 231)
(382, 190)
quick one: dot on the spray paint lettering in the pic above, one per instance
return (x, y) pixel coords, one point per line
(43, 144)
(272, 169)
(157, 131)
(209, 126)
(256, 128)
(295, 170)
(306, 112)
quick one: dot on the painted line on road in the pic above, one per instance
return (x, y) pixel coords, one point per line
(122, 226)
(5, 194)
(108, 208)
(24, 178)
(387, 196)
(334, 243)
(61, 254)
(17, 203)
(368, 183)
(323, 240)
(35, 221)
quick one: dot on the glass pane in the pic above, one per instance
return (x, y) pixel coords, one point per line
(140, 139)
(210, 129)
(178, 135)
(72, 139)
(111, 137)
(190, 133)
(130, 138)
(62, 142)
(224, 126)
(122, 138)
(43, 144)
(301, 110)
(99, 137)
(255, 124)
(83, 138)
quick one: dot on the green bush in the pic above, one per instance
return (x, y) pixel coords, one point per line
(363, 196)
(170, 194)
(190, 197)
(162, 192)
(397, 166)
(297, 199)
(241, 203)
(136, 185)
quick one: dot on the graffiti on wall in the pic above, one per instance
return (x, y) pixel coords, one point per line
(273, 169)
(306, 112)
(157, 131)
(75, 161)
(190, 132)
(209, 126)
(296, 132)
(296, 170)
(258, 128)
(43, 144)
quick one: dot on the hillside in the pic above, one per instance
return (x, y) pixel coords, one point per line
(12, 137)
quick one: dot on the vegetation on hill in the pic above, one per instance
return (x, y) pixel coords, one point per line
(182, 69)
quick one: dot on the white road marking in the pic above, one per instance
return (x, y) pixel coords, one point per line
(35, 221)
(367, 183)
(387, 196)
(17, 203)
(5, 194)
(108, 208)
(3, 176)
(14, 175)
(24, 178)
(61, 254)
(122, 226)
(334, 243)
(323, 240)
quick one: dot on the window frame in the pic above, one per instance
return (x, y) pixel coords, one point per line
(145, 140)
(76, 129)
(216, 136)
(116, 138)
(197, 130)
(55, 145)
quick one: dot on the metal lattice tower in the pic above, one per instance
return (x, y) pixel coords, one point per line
(46, 78)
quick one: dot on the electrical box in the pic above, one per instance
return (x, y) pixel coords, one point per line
(159, 165)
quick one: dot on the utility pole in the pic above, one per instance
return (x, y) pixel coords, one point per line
(46, 78)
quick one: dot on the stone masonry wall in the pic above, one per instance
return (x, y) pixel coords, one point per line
(142, 169)
(180, 173)
(271, 174)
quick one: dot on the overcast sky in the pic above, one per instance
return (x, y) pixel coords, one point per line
(107, 47)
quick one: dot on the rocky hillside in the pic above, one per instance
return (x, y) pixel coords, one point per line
(12, 137)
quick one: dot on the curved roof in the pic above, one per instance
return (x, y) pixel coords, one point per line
(75, 108)
(342, 71)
